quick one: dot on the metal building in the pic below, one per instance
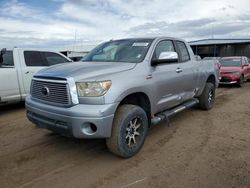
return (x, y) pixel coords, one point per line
(221, 47)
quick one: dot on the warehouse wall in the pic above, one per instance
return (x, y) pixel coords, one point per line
(235, 50)
(223, 50)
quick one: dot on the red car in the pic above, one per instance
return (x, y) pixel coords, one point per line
(234, 70)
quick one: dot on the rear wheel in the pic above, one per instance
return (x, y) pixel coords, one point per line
(129, 131)
(207, 98)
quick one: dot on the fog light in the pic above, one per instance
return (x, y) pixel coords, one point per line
(89, 128)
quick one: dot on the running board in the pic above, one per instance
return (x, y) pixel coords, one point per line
(165, 115)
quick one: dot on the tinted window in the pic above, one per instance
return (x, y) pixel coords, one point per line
(184, 55)
(163, 46)
(8, 59)
(53, 58)
(33, 58)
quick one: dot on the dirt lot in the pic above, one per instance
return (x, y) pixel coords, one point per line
(198, 149)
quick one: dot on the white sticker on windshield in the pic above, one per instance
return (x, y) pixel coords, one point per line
(138, 56)
(140, 44)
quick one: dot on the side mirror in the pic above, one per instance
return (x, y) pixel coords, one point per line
(198, 58)
(3, 51)
(219, 65)
(244, 65)
(165, 57)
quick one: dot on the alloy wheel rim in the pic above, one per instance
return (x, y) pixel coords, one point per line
(210, 96)
(134, 132)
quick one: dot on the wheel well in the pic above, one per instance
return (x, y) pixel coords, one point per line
(139, 99)
(211, 79)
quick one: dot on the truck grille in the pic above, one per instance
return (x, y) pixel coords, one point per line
(52, 92)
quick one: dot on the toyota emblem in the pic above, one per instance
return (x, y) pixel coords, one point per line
(45, 91)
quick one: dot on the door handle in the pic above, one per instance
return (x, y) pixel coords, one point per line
(28, 72)
(178, 70)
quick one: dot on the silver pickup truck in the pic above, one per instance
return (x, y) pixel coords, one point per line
(120, 89)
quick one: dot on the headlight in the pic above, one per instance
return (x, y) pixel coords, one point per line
(93, 89)
(236, 73)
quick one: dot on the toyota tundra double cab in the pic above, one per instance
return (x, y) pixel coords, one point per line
(120, 89)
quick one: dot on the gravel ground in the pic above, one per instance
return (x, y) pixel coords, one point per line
(198, 149)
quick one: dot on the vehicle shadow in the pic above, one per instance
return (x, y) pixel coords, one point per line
(11, 107)
(68, 146)
(234, 86)
(228, 86)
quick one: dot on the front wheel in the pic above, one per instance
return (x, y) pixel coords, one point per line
(207, 98)
(240, 81)
(129, 131)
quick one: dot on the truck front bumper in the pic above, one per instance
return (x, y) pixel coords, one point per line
(79, 121)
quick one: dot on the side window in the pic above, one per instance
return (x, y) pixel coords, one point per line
(8, 59)
(163, 46)
(184, 54)
(33, 58)
(52, 58)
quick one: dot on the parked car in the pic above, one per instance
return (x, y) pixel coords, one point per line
(234, 70)
(122, 88)
(17, 67)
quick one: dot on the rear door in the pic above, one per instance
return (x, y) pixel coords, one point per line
(9, 87)
(189, 72)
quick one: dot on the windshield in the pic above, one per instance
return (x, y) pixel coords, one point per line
(130, 51)
(231, 62)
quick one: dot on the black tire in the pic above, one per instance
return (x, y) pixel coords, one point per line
(207, 98)
(240, 81)
(123, 131)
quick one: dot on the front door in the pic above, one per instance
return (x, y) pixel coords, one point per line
(9, 87)
(31, 62)
(166, 78)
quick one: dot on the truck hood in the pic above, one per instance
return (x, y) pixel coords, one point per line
(230, 69)
(85, 70)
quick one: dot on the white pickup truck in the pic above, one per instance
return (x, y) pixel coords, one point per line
(17, 67)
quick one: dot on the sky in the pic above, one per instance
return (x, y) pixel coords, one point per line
(55, 23)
